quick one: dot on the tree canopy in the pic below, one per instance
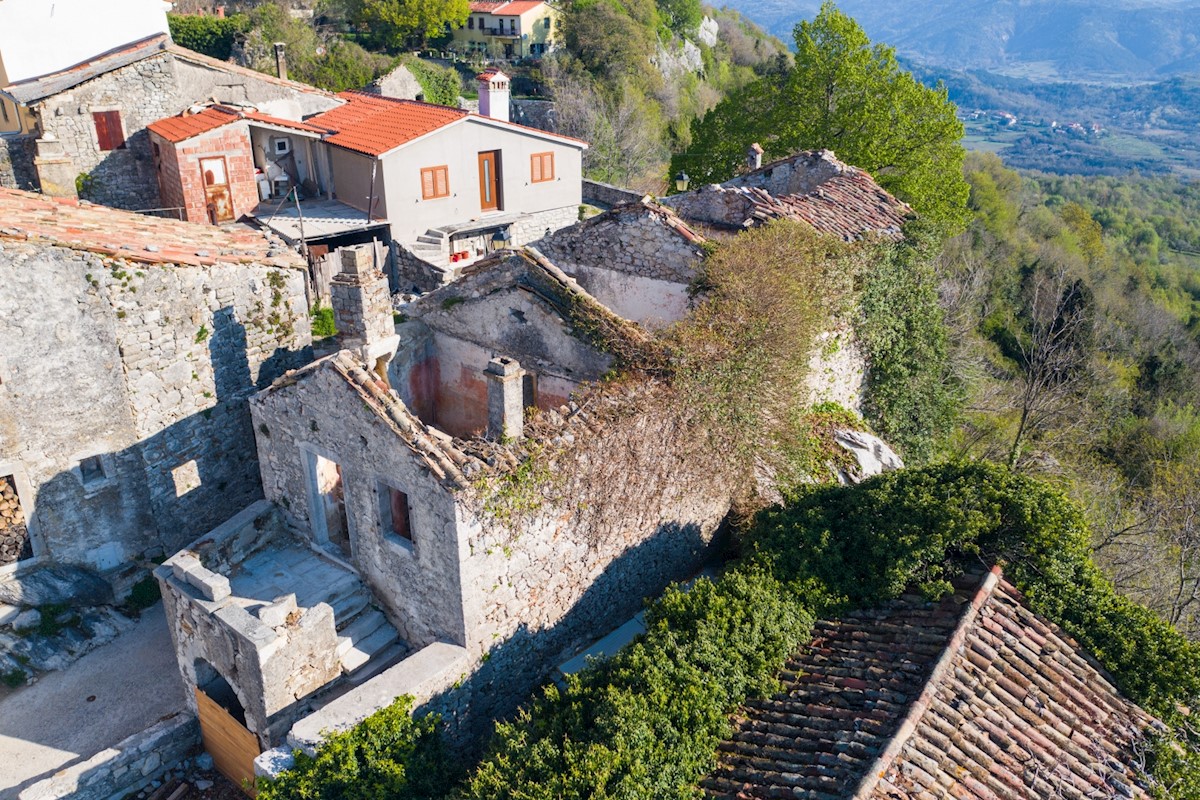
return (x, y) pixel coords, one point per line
(848, 95)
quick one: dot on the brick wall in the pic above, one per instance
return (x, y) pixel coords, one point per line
(186, 181)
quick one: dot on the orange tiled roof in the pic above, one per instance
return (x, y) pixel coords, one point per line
(507, 8)
(25, 216)
(373, 125)
(185, 126)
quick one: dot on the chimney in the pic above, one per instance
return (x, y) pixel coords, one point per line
(505, 398)
(493, 94)
(280, 60)
(754, 155)
(220, 12)
(362, 309)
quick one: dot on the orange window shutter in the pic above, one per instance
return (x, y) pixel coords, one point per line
(427, 184)
(443, 182)
(535, 164)
(548, 167)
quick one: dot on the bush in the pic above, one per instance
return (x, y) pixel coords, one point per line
(144, 594)
(439, 84)
(212, 36)
(388, 756)
(646, 723)
(322, 322)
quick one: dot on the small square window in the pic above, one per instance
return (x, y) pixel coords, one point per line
(91, 471)
(435, 182)
(395, 516)
(470, 23)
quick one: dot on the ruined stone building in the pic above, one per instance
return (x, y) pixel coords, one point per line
(128, 348)
(82, 80)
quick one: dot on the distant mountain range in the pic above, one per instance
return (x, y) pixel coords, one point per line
(1109, 41)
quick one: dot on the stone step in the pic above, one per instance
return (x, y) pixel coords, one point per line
(436, 241)
(348, 601)
(363, 650)
(370, 620)
(385, 658)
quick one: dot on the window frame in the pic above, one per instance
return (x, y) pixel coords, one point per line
(109, 132)
(387, 519)
(537, 167)
(432, 172)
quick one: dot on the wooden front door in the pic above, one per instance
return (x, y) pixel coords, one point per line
(489, 180)
(217, 197)
(233, 748)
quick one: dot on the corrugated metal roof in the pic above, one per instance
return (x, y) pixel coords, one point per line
(35, 89)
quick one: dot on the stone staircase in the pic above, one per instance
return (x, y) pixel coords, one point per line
(433, 246)
(367, 642)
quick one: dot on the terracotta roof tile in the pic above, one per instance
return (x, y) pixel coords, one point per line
(184, 126)
(952, 699)
(504, 7)
(373, 125)
(134, 237)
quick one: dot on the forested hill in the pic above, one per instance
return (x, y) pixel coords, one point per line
(1087, 40)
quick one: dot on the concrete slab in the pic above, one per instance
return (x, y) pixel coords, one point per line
(111, 693)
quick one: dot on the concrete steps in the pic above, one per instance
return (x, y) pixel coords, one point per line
(365, 637)
(348, 597)
(433, 246)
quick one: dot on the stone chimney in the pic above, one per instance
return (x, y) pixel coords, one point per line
(493, 94)
(219, 12)
(362, 309)
(281, 60)
(754, 154)
(55, 169)
(505, 398)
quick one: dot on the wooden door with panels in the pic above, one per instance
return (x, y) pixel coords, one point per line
(217, 197)
(489, 180)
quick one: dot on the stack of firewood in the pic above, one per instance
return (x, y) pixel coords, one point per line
(14, 537)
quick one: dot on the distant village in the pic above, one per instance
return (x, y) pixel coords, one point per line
(998, 120)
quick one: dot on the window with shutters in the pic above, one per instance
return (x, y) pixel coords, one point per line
(109, 133)
(435, 182)
(470, 23)
(541, 167)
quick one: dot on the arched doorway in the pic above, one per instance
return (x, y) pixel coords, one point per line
(223, 727)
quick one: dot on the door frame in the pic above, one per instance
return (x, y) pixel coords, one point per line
(492, 157)
(228, 188)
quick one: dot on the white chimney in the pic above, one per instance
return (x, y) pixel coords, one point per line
(493, 94)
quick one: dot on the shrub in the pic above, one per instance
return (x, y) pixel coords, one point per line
(144, 594)
(322, 322)
(646, 722)
(388, 756)
(212, 36)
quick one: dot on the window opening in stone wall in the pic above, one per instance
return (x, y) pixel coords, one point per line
(219, 690)
(110, 135)
(186, 477)
(330, 502)
(15, 544)
(91, 471)
(394, 513)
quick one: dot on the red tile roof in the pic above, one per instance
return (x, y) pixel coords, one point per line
(972, 698)
(374, 125)
(185, 126)
(25, 216)
(504, 7)
(847, 205)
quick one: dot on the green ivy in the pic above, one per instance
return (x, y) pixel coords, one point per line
(440, 85)
(212, 36)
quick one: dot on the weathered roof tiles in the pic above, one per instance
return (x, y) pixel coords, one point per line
(977, 700)
(134, 237)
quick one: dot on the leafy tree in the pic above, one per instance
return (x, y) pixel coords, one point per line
(393, 23)
(212, 36)
(852, 97)
(681, 16)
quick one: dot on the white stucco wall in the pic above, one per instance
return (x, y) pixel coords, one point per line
(42, 36)
(458, 147)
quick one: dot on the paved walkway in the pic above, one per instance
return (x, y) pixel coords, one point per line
(134, 681)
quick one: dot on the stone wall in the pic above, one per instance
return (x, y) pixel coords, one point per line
(16, 162)
(181, 181)
(540, 114)
(400, 83)
(142, 92)
(127, 388)
(606, 195)
(125, 768)
(799, 174)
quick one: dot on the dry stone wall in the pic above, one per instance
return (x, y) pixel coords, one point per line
(16, 162)
(124, 389)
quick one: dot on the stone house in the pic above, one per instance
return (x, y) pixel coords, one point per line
(813, 187)
(128, 348)
(377, 467)
(510, 29)
(83, 112)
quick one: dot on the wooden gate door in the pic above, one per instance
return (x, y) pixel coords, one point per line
(489, 181)
(232, 747)
(216, 189)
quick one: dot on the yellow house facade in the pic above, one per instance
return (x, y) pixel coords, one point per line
(510, 28)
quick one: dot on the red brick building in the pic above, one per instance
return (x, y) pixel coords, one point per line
(207, 164)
